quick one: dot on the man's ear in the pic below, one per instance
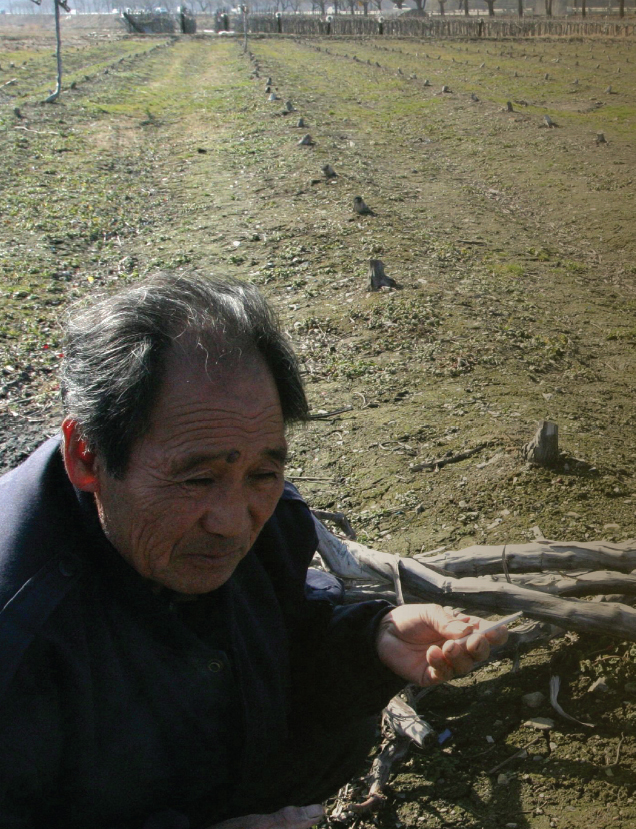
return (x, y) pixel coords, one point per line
(78, 459)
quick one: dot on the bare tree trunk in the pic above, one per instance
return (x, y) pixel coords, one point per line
(583, 8)
(466, 9)
(491, 7)
(520, 8)
(621, 8)
(58, 41)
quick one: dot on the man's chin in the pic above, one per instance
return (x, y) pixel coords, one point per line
(199, 574)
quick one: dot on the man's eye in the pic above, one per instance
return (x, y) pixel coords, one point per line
(265, 476)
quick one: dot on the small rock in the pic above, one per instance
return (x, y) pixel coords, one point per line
(427, 82)
(289, 107)
(328, 171)
(503, 780)
(273, 97)
(540, 723)
(306, 141)
(301, 123)
(533, 699)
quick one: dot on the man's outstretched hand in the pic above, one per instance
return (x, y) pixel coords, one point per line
(291, 817)
(417, 642)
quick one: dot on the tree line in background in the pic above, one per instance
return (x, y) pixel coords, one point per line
(325, 7)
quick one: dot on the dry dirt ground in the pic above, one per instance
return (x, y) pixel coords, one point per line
(512, 243)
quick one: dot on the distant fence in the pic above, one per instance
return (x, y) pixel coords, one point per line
(159, 23)
(423, 27)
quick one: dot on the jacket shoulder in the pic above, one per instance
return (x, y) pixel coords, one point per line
(38, 551)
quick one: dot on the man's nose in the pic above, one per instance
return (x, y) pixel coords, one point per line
(226, 514)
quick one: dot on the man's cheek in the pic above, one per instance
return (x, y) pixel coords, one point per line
(158, 529)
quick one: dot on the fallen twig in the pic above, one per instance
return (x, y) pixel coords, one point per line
(440, 462)
(38, 132)
(618, 754)
(514, 756)
(326, 415)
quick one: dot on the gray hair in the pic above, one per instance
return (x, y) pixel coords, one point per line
(115, 352)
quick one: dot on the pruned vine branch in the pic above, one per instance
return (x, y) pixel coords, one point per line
(436, 581)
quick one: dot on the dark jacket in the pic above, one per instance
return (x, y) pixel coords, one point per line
(118, 704)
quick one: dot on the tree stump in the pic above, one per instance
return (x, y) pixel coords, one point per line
(543, 449)
(377, 278)
(306, 141)
(600, 138)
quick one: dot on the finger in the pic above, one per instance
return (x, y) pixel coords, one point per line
(458, 657)
(438, 665)
(498, 636)
(478, 646)
(457, 629)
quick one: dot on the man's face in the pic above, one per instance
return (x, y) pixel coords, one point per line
(203, 481)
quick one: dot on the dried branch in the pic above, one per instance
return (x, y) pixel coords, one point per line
(600, 582)
(440, 462)
(392, 751)
(355, 561)
(536, 557)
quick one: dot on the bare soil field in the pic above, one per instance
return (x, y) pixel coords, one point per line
(513, 246)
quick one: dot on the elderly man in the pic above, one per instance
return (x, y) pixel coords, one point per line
(160, 662)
